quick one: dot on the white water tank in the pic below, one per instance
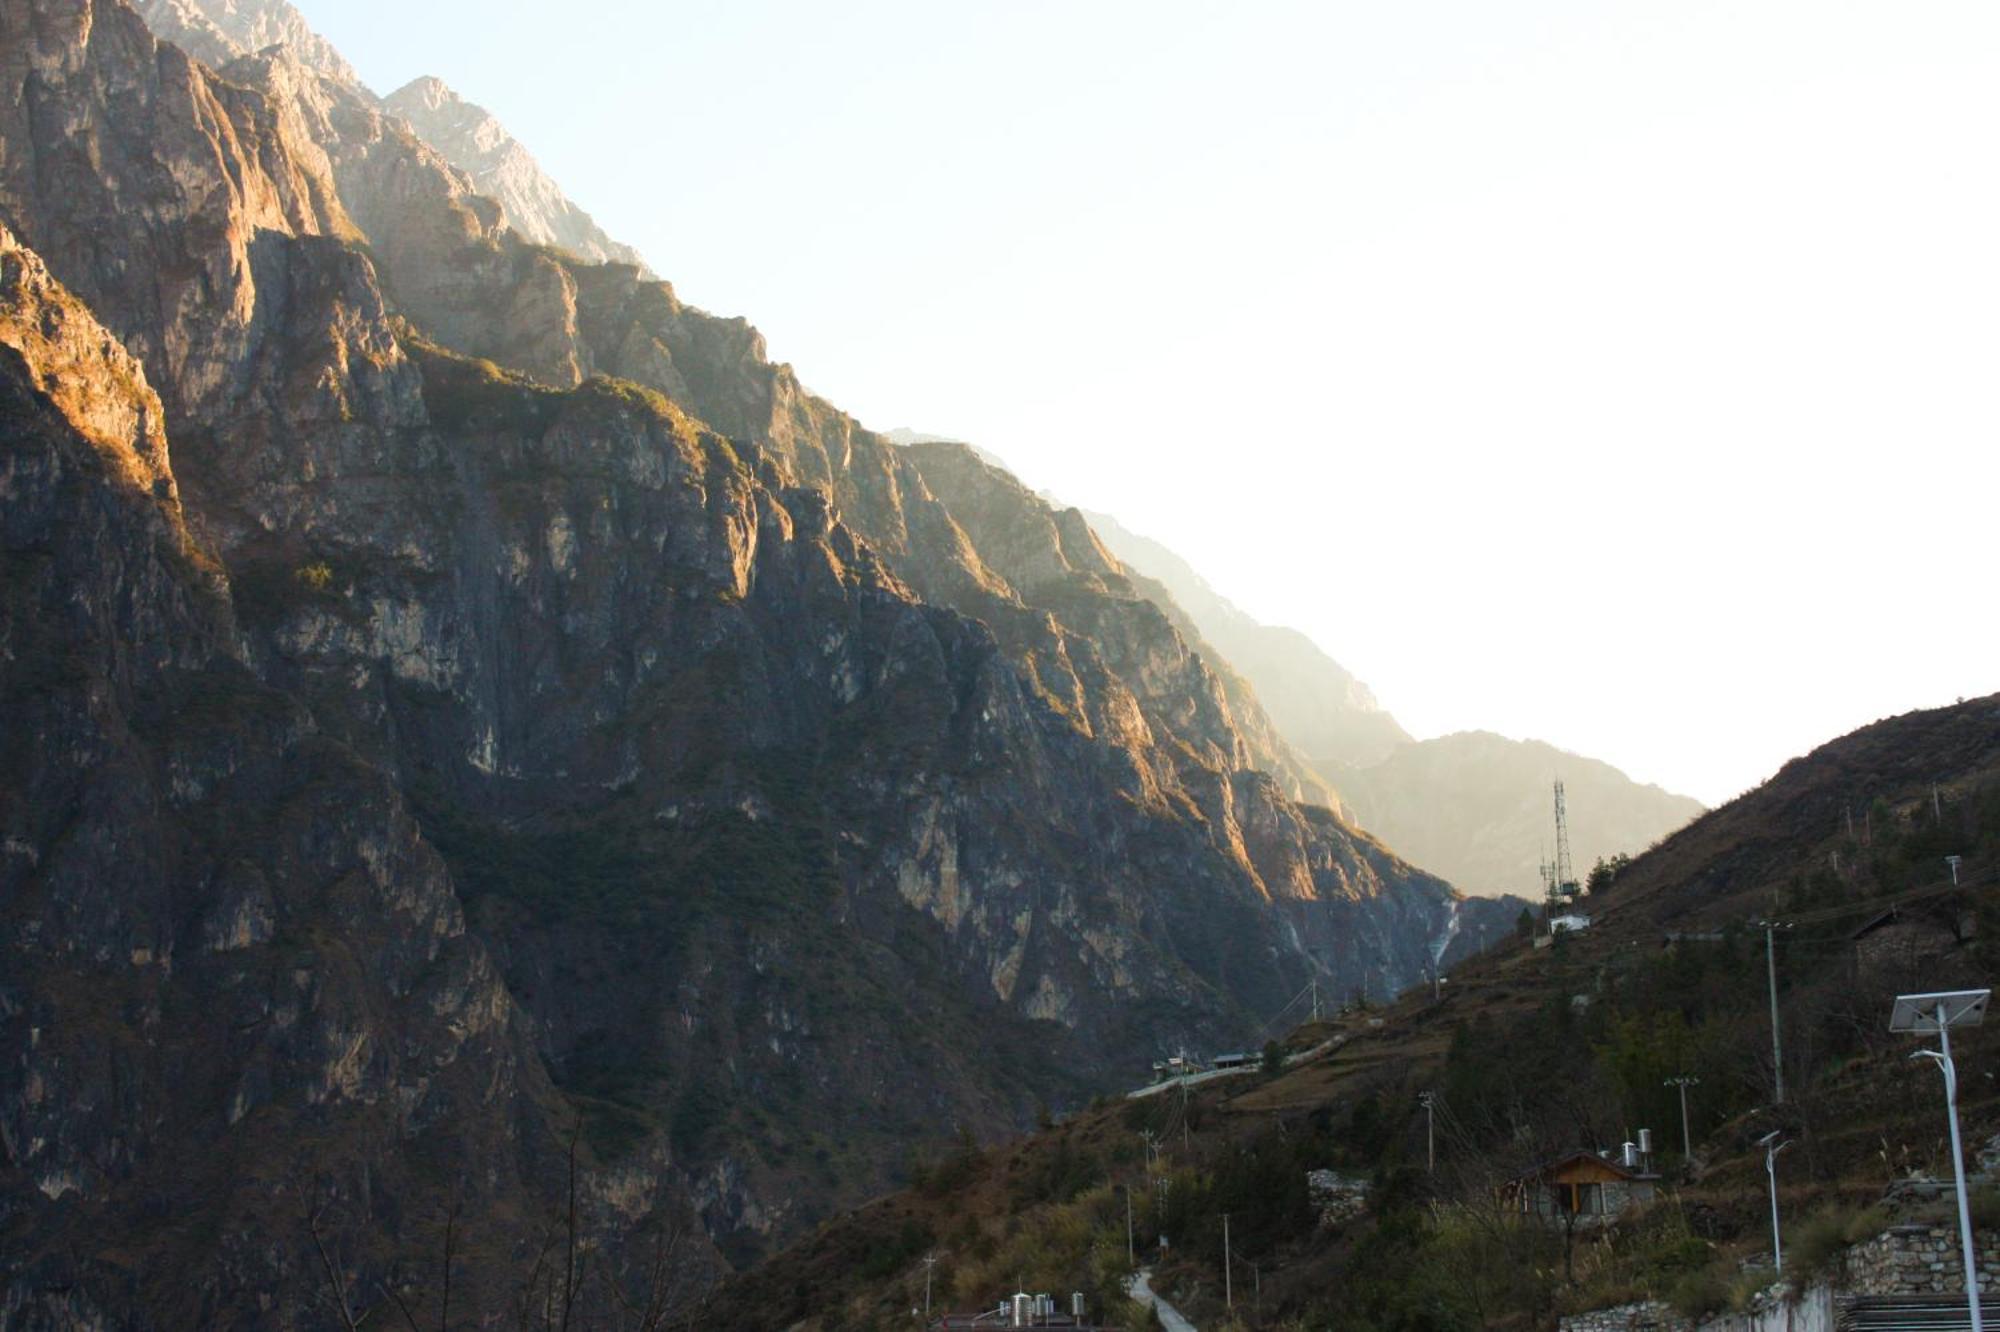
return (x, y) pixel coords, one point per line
(1024, 1309)
(1628, 1156)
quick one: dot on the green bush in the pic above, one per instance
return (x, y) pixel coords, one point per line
(1702, 1292)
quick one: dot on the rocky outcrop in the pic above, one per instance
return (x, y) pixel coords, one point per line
(474, 141)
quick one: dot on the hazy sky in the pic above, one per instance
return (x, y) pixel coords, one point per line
(1621, 375)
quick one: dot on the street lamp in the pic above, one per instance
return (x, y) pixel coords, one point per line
(1769, 1142)
(1940, 1013)
(1684, 1082)
(1428, 1100)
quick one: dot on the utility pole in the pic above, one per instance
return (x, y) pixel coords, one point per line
(1131, 1252)
(1684, 1082)
(1228, 1287)
(930, 1261)
(1429, 1102)
(1771, 927)
(1315, 984)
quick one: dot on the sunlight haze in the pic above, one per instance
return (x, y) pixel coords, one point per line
(1616, 375)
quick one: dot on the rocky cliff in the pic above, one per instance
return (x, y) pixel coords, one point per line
(514, 703)
(237, 990)
(471, 138)
(1328, 715)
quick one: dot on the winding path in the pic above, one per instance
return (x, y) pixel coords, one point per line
(1142, 1291)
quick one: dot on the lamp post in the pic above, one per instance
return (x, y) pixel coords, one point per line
(1684, 1082)
(1940, 1013)
(1429, 1102)
(1770, 928)
(1769, 1142)
(1131, 1250)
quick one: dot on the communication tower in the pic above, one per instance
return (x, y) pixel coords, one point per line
(1562, 873)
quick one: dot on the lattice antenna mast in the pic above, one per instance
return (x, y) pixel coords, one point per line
(1565, 873)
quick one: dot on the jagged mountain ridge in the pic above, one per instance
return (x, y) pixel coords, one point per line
(473, 139)
(495, 164)
(219, 31)
(669, 720)
(1474, 807)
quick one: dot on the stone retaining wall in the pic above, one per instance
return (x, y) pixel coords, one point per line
(1919, 1260)
(1916, 1259)
(1647, 1316)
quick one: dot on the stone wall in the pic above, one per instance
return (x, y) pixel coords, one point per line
(1919, 1259)
(1646, 1316)
(1915, 1259)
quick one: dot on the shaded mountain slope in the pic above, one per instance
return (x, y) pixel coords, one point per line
(557, 758)
(236, 987)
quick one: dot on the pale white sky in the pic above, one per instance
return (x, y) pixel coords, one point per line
(1616, 374)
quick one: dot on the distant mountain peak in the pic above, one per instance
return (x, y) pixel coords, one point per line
(474, 140)
(219, 31)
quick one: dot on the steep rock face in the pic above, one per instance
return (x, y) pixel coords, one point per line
(236, 987)
(1315, 702)
(738, 752)
(471, 139)
(1055, 561)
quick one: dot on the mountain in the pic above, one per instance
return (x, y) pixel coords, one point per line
(1328, 715)
(496, 165)
(466, 705)
(1475, 808)
(219, 31)
(1432, 1107)
(474, 141)
(1478, 808)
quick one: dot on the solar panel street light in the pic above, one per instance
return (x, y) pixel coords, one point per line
(1939, 1012)
(1934, 1012)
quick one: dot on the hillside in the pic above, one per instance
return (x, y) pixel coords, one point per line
(1474, 808)
(1478, 809)
(468, 705)
(1531, 1052)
